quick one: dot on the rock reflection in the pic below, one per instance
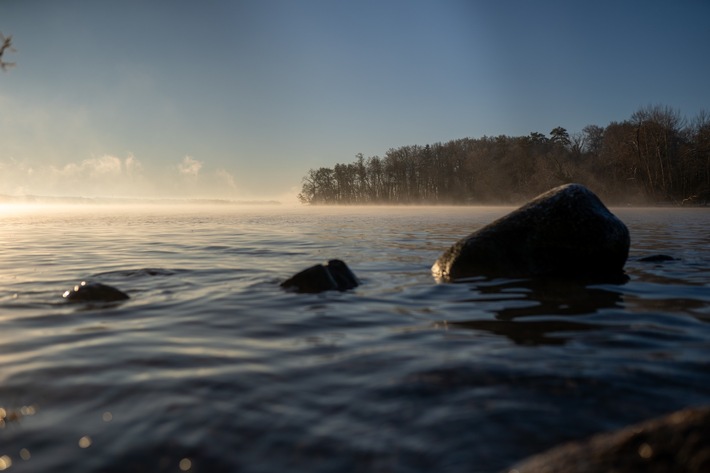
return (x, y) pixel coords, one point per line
(552, 297)
(545, 298)
(545, 332)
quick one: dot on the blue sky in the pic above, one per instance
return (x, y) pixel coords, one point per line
(238, 99)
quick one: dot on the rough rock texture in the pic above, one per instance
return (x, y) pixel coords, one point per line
(565, 232)
(679, 443)
(334, 276)
(94, 292)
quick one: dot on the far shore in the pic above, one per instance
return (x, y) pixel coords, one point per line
(59, 200)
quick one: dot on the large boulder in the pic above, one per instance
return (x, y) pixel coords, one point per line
(679, 442)
(566, 232)
(334, 276)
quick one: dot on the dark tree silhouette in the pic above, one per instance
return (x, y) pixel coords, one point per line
(560, 136)
(5, 46)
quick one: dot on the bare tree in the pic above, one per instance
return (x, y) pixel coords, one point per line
(593, 138)
(5, 46)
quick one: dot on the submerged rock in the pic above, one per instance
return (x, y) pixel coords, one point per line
(94, 292)
(679, 442)
(656, 259)
(334, 276)
(565, 232)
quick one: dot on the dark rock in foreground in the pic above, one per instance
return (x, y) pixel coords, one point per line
(679, 443)
(565, 232)
(94, 292)
(334, 276)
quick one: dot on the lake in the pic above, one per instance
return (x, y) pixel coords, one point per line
(211, 367)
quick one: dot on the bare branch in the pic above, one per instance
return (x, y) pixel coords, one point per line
(6, 46)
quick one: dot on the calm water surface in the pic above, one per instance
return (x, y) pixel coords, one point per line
(210, 367)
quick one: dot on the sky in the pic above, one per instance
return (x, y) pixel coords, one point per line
(238, 99)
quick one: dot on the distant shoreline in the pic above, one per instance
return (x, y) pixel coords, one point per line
(53, 200)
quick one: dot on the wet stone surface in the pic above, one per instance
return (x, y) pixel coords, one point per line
(565, 232)
(94, 292)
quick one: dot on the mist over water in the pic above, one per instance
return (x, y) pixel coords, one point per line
(210, 366)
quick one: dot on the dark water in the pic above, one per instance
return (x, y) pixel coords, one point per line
(211, 367)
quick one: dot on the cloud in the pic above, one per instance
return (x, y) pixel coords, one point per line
(197, 180)
(226, 177)
(109, 175)
(190, 166)
(132, 165)
(93, 167)
(105, 175)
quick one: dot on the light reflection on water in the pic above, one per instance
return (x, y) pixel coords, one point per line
(212, 363)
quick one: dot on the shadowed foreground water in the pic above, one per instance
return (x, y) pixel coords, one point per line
(211, 367)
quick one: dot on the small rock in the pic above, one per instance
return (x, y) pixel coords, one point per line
(94, 292)
(334, 276)
(656, 259)
(566, 232)
(679, 442)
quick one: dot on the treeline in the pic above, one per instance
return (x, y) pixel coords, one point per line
(656, 156)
